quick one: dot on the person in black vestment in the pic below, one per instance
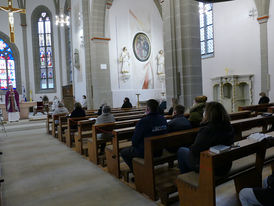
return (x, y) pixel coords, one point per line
(78, 111)
(264, 99)
(127, 103)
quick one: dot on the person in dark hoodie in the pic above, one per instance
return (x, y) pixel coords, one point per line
(217, 130)
(150, 125)
(259, 196)
(126, 103)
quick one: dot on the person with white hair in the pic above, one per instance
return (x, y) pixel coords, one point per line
(105, 117)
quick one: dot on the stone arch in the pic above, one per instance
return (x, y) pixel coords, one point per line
(35, 44)
(16, 55)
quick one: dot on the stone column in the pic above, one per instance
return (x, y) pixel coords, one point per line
(86, 31)
(263, 16)
(182, 50)
(25, 46)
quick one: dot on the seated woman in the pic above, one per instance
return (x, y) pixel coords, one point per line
(78, 111)
(217, 131)
(126, 103)
(196, 112)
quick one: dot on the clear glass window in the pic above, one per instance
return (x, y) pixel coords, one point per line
(206, 29)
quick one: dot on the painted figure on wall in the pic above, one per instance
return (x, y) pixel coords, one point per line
(160, 59)
(124, 60)
(148, 82)
(12, 104)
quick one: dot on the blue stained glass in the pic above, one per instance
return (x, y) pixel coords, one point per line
(210, 46)
(210, 32)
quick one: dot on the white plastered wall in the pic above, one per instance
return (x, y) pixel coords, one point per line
(79, 75)
(236, 44)
(123, 27)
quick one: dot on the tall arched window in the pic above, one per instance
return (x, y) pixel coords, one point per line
(7, 66)
(43, 50)
(206, 29)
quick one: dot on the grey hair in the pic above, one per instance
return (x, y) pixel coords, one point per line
(106, 109)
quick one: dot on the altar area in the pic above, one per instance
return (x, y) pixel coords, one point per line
(24, 110)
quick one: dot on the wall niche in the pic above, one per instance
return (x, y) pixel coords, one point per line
(233, 91)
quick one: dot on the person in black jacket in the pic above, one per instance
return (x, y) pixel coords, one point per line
(179, 122)
(259, 196)
(216, 130)
(264, 99)
(126, 103)
(151, 125)
(78, 111)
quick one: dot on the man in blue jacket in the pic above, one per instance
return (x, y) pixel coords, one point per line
(152, 125)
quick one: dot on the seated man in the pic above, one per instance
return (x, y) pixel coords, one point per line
(105, 117)
(151, 125)
(179, 122)
(259, 196)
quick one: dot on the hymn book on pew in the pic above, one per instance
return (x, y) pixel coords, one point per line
(257, 137)
(219, 149)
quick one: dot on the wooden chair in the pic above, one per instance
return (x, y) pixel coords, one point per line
(39, 108)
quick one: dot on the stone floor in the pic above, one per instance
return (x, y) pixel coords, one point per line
(40, 171)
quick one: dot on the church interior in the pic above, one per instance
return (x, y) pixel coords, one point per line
(106, 53)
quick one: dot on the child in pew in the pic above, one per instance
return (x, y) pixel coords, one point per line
(259, 196)
(217, 130)
(151, 125)
(105, 117)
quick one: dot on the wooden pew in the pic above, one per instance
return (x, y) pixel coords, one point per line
(199, 189)
(72, 129)
(93, 143)
(240, 115)
(145, 179)
(54, 125)
(84, 132)
(256, 108)
(113, 151)
(49, 123)
(61, 127)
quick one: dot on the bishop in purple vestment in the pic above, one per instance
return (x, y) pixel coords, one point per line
(12, 104)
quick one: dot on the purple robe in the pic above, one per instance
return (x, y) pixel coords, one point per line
(12, 100)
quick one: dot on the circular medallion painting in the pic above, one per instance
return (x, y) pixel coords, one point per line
(141, 47)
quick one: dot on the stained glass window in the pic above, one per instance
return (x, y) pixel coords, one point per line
(7, 66)
(45, 52)
(206, 29)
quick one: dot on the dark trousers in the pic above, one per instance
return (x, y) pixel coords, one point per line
(128, 154)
